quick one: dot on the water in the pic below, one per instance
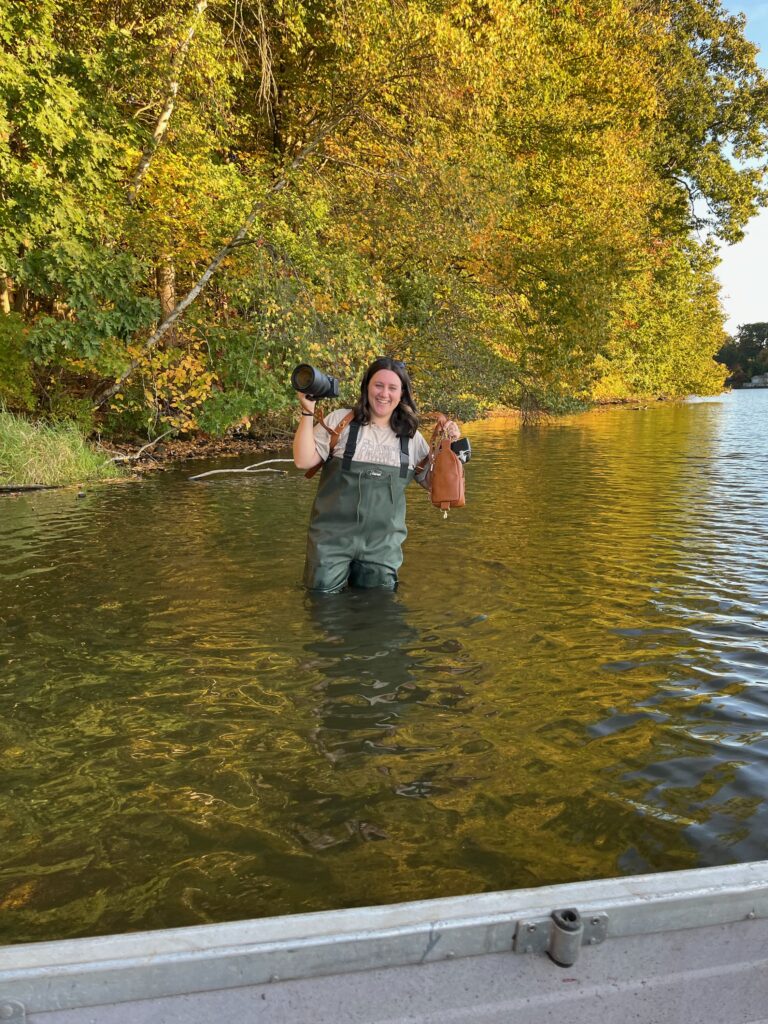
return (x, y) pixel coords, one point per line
(571, 683)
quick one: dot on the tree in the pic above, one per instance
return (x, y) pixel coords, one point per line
(747, 354)
(506, 194)
(715, 108)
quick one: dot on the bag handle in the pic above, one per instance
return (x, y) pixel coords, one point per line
(438, 435)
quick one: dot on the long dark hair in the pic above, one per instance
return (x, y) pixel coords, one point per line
(405, 417)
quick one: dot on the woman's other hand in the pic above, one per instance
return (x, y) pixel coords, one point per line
(452, 430)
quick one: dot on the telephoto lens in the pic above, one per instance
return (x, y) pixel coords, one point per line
(314, 383)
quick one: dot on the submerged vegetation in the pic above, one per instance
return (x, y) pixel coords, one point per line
(520, 199)
(47, 454)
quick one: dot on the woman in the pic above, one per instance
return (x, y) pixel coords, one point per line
(357, 526)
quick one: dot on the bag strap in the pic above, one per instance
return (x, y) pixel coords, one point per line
(438, 436)
(335, 433)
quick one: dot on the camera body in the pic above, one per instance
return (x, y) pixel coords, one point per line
(462, 448)
(314, 383)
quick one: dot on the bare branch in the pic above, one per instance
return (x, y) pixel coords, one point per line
(267, 85)
(248, 469)
(140, 452)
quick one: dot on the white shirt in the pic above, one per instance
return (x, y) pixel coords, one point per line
(374, 443)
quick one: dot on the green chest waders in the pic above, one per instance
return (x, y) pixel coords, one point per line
(357, 526)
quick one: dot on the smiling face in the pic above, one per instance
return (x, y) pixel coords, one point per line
(384, 393)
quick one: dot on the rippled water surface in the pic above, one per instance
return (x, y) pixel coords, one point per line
(571, 682)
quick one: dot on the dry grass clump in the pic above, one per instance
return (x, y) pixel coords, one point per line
(47, 454)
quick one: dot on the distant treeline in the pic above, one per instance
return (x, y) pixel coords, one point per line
(746, 354)
(521, 199)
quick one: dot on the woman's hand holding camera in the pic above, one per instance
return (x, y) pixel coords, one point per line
(304, 451)
(307, 404)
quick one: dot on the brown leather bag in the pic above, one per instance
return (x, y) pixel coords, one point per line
(447, 480)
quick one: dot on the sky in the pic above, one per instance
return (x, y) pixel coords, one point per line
(743, 273)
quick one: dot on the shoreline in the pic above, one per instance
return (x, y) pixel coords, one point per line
(194, 449)
(174, 450)
(139, 458)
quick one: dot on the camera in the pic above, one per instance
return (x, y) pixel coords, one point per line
(314, 383)
(462, 448)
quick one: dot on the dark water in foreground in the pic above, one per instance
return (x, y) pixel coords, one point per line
(572, 682)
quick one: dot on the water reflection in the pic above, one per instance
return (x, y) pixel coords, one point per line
(571, 682)
(381, 682)
(362, 650)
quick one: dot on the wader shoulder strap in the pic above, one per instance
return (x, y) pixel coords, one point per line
(349, 451)
(404, 459)
(335, 433)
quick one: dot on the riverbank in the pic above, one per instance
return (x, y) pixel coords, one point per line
(36, 454)
(39, 455)
(146, 456)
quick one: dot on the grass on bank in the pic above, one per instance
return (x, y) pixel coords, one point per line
(47, 454)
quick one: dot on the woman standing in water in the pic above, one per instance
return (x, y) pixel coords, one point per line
(357, 526)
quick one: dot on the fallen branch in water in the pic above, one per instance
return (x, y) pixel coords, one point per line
(248, 469)
(140, 452)
(18, 488)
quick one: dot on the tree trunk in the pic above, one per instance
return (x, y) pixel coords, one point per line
(20, 299)
(169, 102)
(5, 293)
(165, 275)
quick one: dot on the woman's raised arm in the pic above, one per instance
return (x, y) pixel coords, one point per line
(304, 452)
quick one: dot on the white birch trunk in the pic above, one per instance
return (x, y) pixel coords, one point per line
(170, 101)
